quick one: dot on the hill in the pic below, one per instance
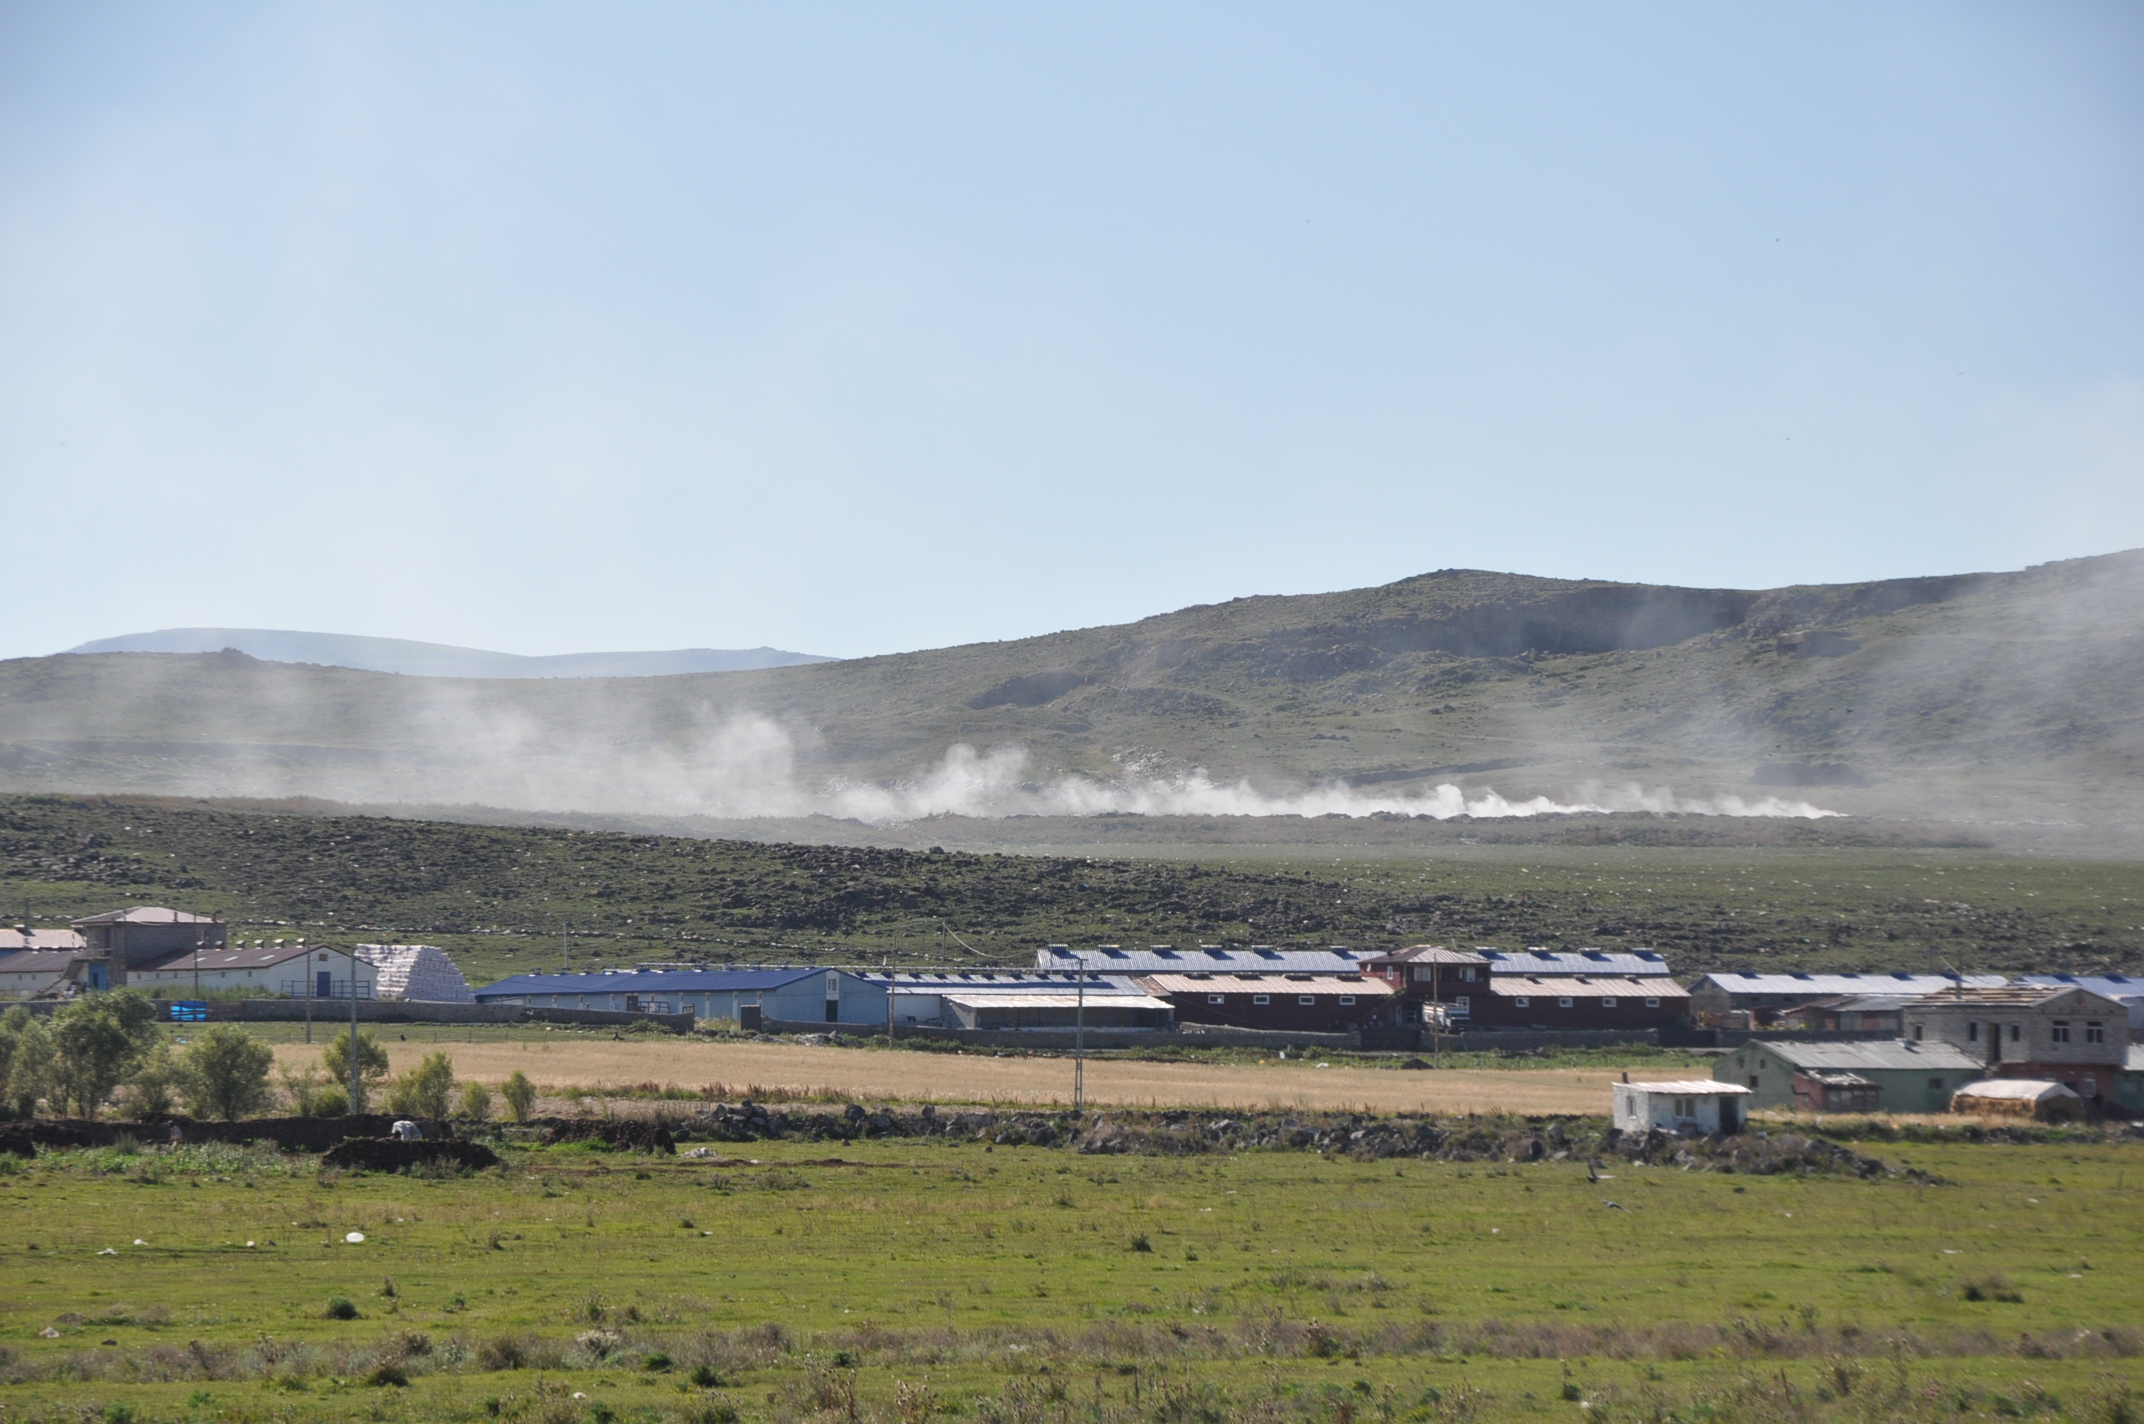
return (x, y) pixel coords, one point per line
(439, 659)
(2007, 700)
(497, 896)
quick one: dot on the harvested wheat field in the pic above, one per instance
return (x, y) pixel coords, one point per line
(783, 1070)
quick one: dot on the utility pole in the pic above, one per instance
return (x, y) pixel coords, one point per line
(890, 982)
(309, 995)
(1079, 1042)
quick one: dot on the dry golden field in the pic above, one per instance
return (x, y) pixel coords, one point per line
(878, 1075)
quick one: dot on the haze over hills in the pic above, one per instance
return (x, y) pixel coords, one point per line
(1984, 698)
(439, 659)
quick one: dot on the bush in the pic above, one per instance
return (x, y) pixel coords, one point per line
(155, 1084)
(707, 1376)
(330, 1101)
(520, 1095)
(476, 1101)
(227, 1073)
(424, 1091)
(341, 1307)
(504, 1353)
(657, 1362)
(388, 1376)
(371, 1063)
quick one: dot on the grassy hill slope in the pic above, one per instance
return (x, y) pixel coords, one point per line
(497, 896)
(1995, 697)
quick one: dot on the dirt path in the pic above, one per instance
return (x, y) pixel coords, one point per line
(754, 1068)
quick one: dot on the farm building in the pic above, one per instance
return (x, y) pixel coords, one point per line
(983, 1008)
(1713, 996)
(2124, 989)
(1835, 1090)
(2129, 1086)
(289, 970)
(16, 939)
(2056, 1031)
(145, 932)
(1424, 974)
(920, 999)
(1848, 1013)
(1166, 959)
(795, 993)
(1909, 1077)
(1696, 1105)
(28, 973)
(2018, 1097)
(1294, 1003)
(1561, 963)
(417, 971)
(1583, 1001)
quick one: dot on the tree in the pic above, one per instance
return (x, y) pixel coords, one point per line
(25, 1061)
(425, 1090)
(99, 1040)
(520, 1095)
(154, 1084)
(371, 1063)
(227, 1072)
(476, 1100)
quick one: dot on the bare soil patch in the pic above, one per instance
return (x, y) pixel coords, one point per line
(874, 1075)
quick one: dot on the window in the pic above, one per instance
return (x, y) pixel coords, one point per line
(1652, 1003)
(1217, 998)
(1608, 1002)
(1423, 976)
(1686, 1107)
(1564, 1002)
(1462, 1005)
(1972, 1033)
(1936, 1083)
(1306, 1000)
(1522, 1002)
(2059, 1031)
(1347, 998)
(1261, 998)
(1916, 1033)
(1467, 975)
(1753, 1082)
(2095, 1032)
(2017, 1031)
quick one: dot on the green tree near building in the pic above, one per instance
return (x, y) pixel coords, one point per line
(226, 1073)
(371, 1064)
(25, 1062)
(99, 1040)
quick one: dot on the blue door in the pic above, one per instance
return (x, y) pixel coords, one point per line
(326, 986)
(96, 976)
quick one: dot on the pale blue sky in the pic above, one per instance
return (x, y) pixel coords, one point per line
(863, 328)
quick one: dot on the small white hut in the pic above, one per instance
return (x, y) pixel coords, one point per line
(1697, 1105)
(2018, 1097)
(418, 971)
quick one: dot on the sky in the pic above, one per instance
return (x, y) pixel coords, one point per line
(858, 329)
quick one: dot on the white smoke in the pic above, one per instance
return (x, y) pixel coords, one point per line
(752, 774)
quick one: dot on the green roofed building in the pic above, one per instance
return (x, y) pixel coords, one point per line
(1911, 1077)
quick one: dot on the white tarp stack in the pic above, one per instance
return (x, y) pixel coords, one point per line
(417, 971)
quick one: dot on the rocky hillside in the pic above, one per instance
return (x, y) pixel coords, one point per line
(1988, 698)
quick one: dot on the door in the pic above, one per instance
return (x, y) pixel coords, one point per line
(324, 984)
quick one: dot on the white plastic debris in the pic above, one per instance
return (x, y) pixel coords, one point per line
(354, 1237)
(109, 1251)
(139, 1242)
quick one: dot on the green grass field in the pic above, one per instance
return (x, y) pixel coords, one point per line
(910, 1279)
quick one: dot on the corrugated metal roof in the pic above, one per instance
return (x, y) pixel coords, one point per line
(1052, 1001)
(1265, 984)
(39, 961)
(1819, 985)
(1881, 1055)
(2023, 996)
(244, 957)
(1004, 981)
(1427, 954)
(12, 941)
(1530, 986)
(669, 981)
(1162, 960)
(1643, 962)
(147, 915)
(1690, 1087)
(2111, 986)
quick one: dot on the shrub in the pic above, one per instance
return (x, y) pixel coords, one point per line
(330, 1101)
(227, 1072)
(388, 1376)
(657, 1362)
(504, 1353)
(1141, 1243)
(341, 1307)
(476, 1101)
(424, 1091)
(155, 1084)
(707, 1376)
(520, 1095)
(371, 1064)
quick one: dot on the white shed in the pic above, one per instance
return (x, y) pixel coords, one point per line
(1699, 1104)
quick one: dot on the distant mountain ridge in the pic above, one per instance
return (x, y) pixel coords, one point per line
(402, 655)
